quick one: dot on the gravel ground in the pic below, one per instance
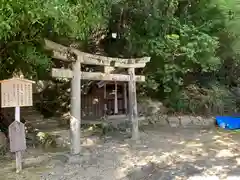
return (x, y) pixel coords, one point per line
(161, 154)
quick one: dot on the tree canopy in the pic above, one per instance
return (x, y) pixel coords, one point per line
(191, 42)
(24, 24)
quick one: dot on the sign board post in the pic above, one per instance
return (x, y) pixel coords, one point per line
(16, 92)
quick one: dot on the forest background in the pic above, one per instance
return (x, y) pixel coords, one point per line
(194, 45)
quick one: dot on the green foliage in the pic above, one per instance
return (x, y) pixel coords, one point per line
(23, 25)
(215, 100)
(178, 47)
(46, 139)
(186, 39)
(71, 18)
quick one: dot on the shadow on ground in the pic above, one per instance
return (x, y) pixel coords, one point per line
(161, 154)
(207, 153)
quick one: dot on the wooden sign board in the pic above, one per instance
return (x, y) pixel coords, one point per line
(16, 92)
(17, 137)
(96, 76)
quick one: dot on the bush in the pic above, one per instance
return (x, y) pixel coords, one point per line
(216, 100)
(46, 140)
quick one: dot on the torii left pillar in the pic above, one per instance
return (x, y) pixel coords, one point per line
(75, 121)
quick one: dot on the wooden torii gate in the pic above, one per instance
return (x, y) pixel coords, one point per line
(77, 58)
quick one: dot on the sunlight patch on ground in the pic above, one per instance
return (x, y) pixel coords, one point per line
(225, 153)
(194, 144)
(233, 178)
(238, 161)
(203, 178)
(179, 154)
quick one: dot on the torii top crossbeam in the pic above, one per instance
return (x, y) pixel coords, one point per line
(61, 52)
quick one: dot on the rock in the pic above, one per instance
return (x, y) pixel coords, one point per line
(209, 121)
(63, 141)
(148, 107)
(202, 121)
(144, 122)
(162, 120)
(177, 121)
(198, 121)
(90, 141)
(185, 121)
(32, 140)
(174, 121)
(123, 126)
(65, 119)
(3, 143)
(62, 138)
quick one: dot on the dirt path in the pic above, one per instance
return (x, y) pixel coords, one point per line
(162, 154)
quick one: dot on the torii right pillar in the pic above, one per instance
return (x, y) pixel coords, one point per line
(132, 95)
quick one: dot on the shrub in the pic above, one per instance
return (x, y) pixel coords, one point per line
(216, 100)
